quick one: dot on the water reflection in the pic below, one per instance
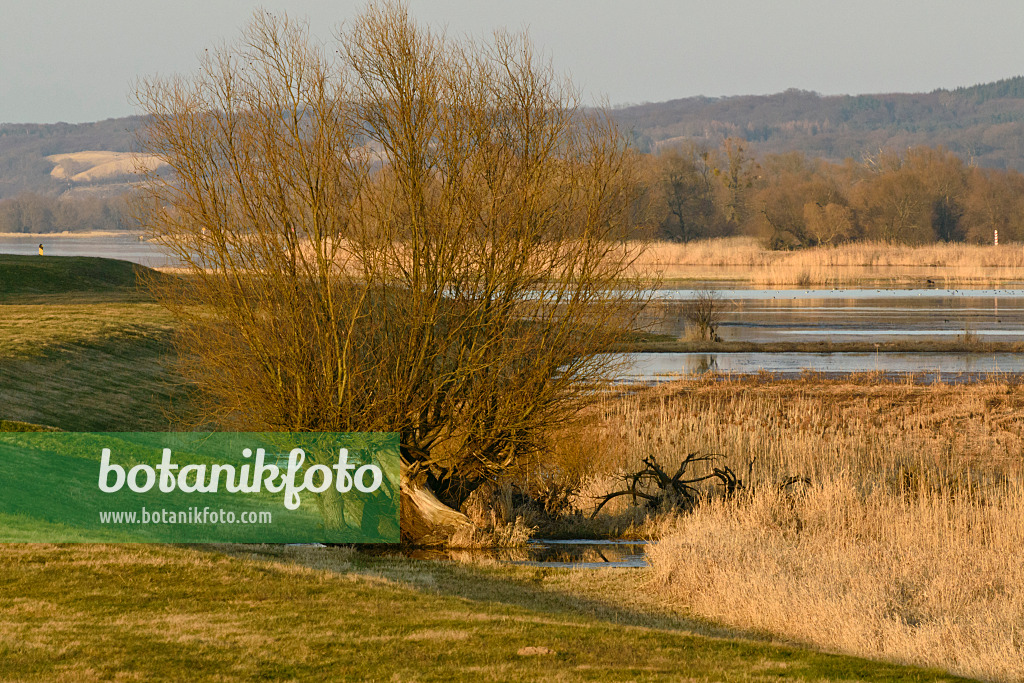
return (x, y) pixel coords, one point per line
(700, 363)
(655, 367)
(571, 554)
(851, 315)
(838, 293)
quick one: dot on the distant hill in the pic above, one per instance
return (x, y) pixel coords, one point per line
(983, 124)
(94, 167)
(24, 148)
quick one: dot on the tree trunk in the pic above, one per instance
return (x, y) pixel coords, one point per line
(426, 521)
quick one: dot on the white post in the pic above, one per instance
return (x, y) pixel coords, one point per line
(995, 236)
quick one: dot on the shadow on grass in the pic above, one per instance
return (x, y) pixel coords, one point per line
(613, 598)
(122, 382)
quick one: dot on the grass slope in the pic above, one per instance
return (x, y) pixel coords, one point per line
(64, 274)
(15, 426)
(120, 382)
(81, 347)
(156, 613)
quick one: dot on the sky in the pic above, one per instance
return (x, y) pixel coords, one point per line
(76, 60)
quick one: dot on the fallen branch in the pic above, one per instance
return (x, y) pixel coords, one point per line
(673, 491)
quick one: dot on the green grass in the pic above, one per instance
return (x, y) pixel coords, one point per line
(114, 382)
(28, 330)
(82, 348)
(13, 426)
(59, 274)
(81, 613)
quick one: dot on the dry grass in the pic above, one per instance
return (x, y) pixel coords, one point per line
(28, 329)
(743, 258)
(874, 431)
(905, 546)
(928, 579)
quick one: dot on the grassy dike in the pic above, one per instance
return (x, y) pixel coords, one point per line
(82, 347)
(95, 359)
(255, 613)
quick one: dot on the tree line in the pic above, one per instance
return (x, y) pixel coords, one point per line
(918, 196)
(692, 192)
(33, 212)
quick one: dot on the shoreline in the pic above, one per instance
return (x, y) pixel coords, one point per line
(742, 262)
(908, 346)
(83, 234)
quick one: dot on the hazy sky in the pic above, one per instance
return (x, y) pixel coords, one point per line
(75, 60)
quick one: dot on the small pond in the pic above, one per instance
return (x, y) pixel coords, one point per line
(568, 554)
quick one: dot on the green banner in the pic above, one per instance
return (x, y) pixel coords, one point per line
(190, 487)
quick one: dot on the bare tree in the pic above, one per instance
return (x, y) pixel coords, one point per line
(704, 312)
(418, 235)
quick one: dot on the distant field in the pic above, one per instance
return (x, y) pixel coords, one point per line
(98, 166)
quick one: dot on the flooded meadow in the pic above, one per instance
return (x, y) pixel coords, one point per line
(867, 317)
(870, 316)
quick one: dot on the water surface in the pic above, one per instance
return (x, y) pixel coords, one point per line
(951, 367)
(568, 554)
(860, 314)
(126, 247)
(839, 315)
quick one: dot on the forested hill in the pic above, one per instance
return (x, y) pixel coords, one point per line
(983, 124)
(24, 148)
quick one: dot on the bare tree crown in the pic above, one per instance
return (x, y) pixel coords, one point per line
(406, 233)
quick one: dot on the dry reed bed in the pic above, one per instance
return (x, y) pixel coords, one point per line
(905, 546)
(743, 258)
(929, 580)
